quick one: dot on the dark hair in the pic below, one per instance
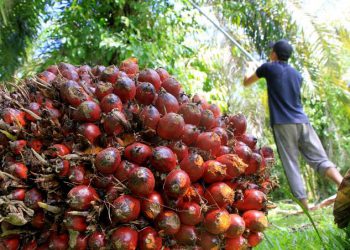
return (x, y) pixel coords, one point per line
(283, 49)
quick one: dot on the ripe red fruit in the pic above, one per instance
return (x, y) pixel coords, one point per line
(35, 144)
(65, 66)
(38, 220)
(107, 160)
(90, 131)
(13, 116)
(183, 98)
(88, 111)
(46, 76)
(124, 238)
(9, 243)
(174, 203)
(169, 222)
(219, 194)
(207, 119)
(166, 103)
(180, 149)
(190, 214)
(111, 101)
(141, 181)
(152, 205)
(191, 113)
(163, 159)
(75, 222)
(29, 246)
(244, 152)
(97, 70)
(209, 141)
(163, 74)
(115, 123)
(125, 208)
(201, 101)
(97, 240)
(237, 226)
(217, 221)
(17, 194)
(73, 93)
(254, 239)
(19, 170)
(138, 153)
(35, 108)
(58, 150)
(17, 146)
(110, 74)
(145, 93)
(103, 89)
(124, 169)
(70, 75)
(222, 133)
(224, 150)
(130, 67)
(172, 86)
(149, 239)
(84, 70)
(194, 193)
(32, 197)
(249, 140)
(151, 76)
(58, 241)
(81, 242)
(187, 235)
(254, 164)
(171, 126)
(253, 200)
(150, 117)
(214, 171)
(234, 166)
(255, 221)
(177, 183)
(237, 243)
(53, 69)
(81, 197)
(193, 166)
(215, 109)
(237, 123)
(190, 135)
(125, 88)
(210, 241)
(76, 174)
(266, 152)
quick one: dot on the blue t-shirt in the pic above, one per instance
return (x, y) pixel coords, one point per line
(283, 88)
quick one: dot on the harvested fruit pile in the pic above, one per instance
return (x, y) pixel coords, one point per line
(113, 158)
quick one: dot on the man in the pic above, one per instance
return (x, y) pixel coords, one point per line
(290, 125)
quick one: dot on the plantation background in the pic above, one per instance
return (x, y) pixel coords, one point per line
(172, 34)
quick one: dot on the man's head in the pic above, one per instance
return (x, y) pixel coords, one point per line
(281, 50)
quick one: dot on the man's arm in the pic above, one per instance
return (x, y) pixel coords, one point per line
(250, 80)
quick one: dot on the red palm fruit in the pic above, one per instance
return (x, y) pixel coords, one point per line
(103, 181)
(124, 238)
(237, 226)
(217, 221)
(44, 246)
(58, 150)
(75, 222)
(35, 108)
(172, 86)
(141, 181)
(110, 74)
(32, 245)
(220, 122)
(125, 208)
(81, 197)
(237, 243)
(200, 100)
(97, 241)
(152, 205)
(222, 133)
(207, 119)
(35, 144)
(234, 167)
(88, 111)
(115, 123)
(97, 70)
(174, 203)
(171, 126)
(163, 159)
(77, 175)
(254, 239)
(194, 193)
(249, 140)
(180, 149)
(150, 117)
(266, 152)
(46, 76)
(81, 242)
(209, 141)
(19, 170)
(168, 222)
(177, 183)
(125, 88)
(149, 239)
(32, 197)
(73, 93)
(17, 147)
(237, 123)
(53, 69)
(38, 220)
(84, 70)
(166, 103)
(54, 114)
(13, 116)
(17, 194)
(9, 243)
(187, 235)
(151, 76)
(255, 221)
(58, 241)
(138, 153)
(219, 194)
(215, 109)
(145, 93)
(90, 131)
(253, 200)
(214, 171)
(130, 67)
(254, 164)
(191, 113)
(124, 169)
(107, 160)
(244, 152)
(103, 89)
(183, 98)
(65, 66)
(163, 74)
(190, 214)
(190, 135)
(111, 101)
(224, 150)
(266, 187)
(112, 192)
(210, 241)
(70, 75)
(193, 166)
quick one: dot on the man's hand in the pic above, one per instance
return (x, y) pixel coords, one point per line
(250, 80)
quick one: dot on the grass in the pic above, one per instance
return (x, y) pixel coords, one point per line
(296, 232)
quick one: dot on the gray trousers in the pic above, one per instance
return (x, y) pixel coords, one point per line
(292, 139)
